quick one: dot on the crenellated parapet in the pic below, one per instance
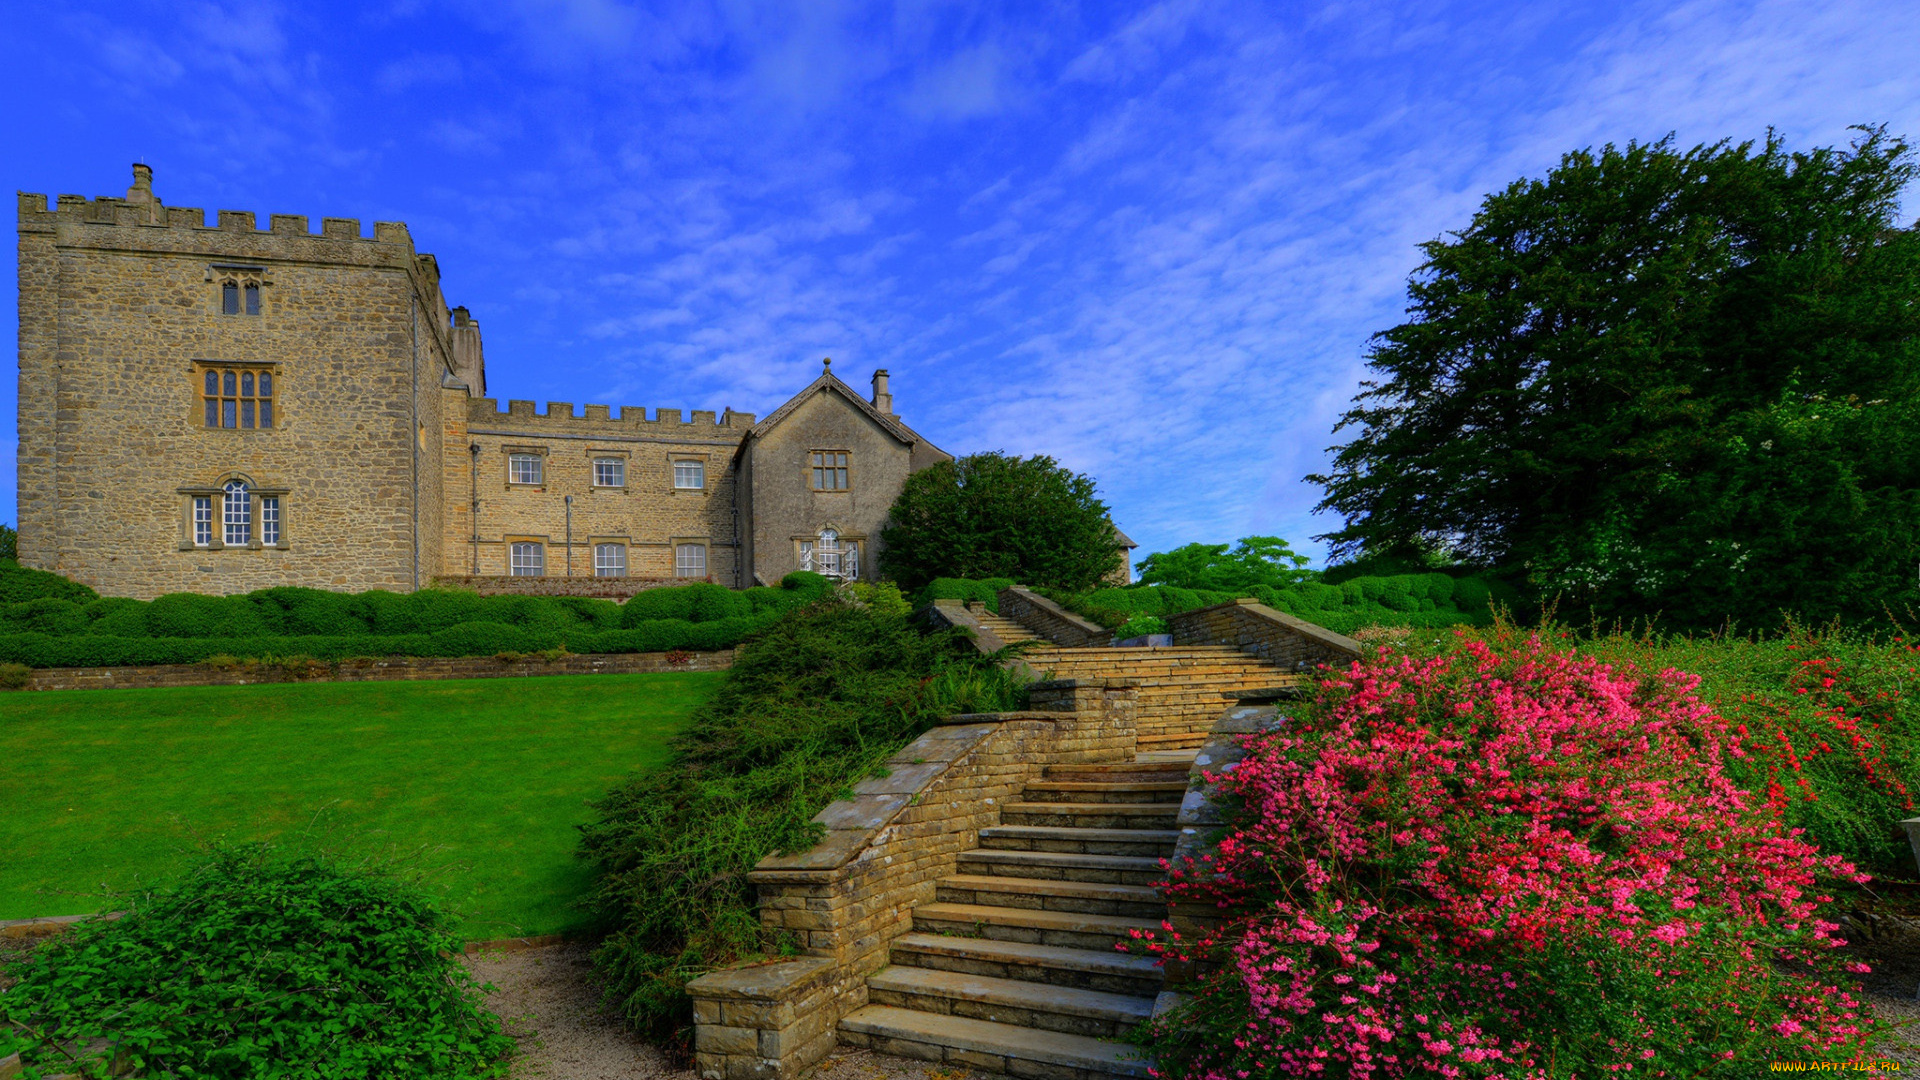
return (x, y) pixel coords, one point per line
(559, 418)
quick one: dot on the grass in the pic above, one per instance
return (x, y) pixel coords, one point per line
(471, 787)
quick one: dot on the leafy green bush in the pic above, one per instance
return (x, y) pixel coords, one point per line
(254, 965)
(1420, 600)
(985, 590)
(19, 584)
(812, 705)
(184, 628)
(1140, 626)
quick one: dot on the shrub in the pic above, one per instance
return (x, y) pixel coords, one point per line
(991, 515)
(15, 676)
(884, 597)
(1505, 860)
(986, 591)
(255, 965)
(811, 705)
(19, 584)
(1140, 626)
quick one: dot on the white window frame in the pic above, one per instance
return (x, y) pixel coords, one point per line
(826, 556)
(526, 558)
(203, 521)
(694, 470)
(521, 466)
(270, 520)
(236, 514)
(609, 560)
(689, 560)
(609, 472)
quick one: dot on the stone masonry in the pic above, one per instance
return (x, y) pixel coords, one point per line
(385, 465)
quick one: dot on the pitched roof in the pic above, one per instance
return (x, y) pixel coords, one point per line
(829, 383)
(1125, 540)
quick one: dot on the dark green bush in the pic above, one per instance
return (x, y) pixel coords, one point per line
(813, 704)
(19, 584)
(48, 615)
(252, 965)
(985, 590)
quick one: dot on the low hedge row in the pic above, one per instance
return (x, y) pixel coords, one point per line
(467, 639)
(985, 590)
(1417, 600)
(60, 627)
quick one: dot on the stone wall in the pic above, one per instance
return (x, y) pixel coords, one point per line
(846, 899)
(646, 514)
(121, 314)
(373, 670)
(1254, 628)
(602, 588)
(1050, 620)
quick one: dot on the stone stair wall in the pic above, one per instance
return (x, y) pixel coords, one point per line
(849, 898)
(1050, 620)
(1182, 690)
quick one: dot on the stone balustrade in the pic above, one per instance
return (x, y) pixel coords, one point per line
(1254, 628)
(847, 898)
(1050, 620)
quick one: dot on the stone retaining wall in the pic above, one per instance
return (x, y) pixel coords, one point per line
(391, 668)
(1254, 628)
(1050, 620)
(599, 588)
(846, 899)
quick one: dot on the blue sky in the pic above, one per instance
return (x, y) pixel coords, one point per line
(1150, 240)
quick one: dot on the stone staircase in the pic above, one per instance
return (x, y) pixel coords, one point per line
(1012, 969)
(1181, 686)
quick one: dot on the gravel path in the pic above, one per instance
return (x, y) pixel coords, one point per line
(549, 1005)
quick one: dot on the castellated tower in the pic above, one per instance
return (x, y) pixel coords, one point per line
(225, 408)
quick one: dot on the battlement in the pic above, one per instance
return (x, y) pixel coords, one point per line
(559, 417)
(141, 207)
(107, 210)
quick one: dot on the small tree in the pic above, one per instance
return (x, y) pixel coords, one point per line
(991, 515)
(9, 542)
(1255, 560)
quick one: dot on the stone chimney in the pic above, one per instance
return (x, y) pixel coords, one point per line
(142, 189)
(469, 365)
(141, 194)
(882, 400)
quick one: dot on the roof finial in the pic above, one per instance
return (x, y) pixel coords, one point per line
(826, 366)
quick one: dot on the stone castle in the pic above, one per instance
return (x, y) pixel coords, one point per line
(225, 408)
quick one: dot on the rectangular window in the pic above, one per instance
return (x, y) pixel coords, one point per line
(202, 520)
(270, 520)
(237, 398)
(609, 560)
(690, 560)
(690, 474)
(609, 472)
(527, 560)
(829, 470)
(230, 298)
(253, 298)
(237, 516)
(850, 560)
(806, 555)
(523, 468)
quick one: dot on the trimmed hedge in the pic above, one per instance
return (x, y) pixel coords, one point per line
(985, 590)
(17, 584)
(1418, 600)
(185, 628)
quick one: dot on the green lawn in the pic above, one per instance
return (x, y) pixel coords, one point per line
(471, 786)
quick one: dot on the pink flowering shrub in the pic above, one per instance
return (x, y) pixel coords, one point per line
(1504, 860)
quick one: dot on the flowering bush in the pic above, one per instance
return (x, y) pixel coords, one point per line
(1504, 860)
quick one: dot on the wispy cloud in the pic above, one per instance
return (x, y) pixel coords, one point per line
(1152, 243)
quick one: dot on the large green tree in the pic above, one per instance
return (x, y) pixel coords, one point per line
(1662, 381)
(1254, 560)
(992, 515)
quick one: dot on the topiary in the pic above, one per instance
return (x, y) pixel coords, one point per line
(19, 584)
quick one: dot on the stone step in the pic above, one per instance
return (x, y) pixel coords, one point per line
(1091, 897)
(1063, 866)
(1155, 843)
(1106, 791)
(1183, 758)
(989, 1047)
(1094, 1013)
(1089, 969)
(1065, 929)
(1127, 771)
(1092, 815)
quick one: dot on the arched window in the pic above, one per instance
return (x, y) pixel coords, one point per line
(237, 513)
(237, 398)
